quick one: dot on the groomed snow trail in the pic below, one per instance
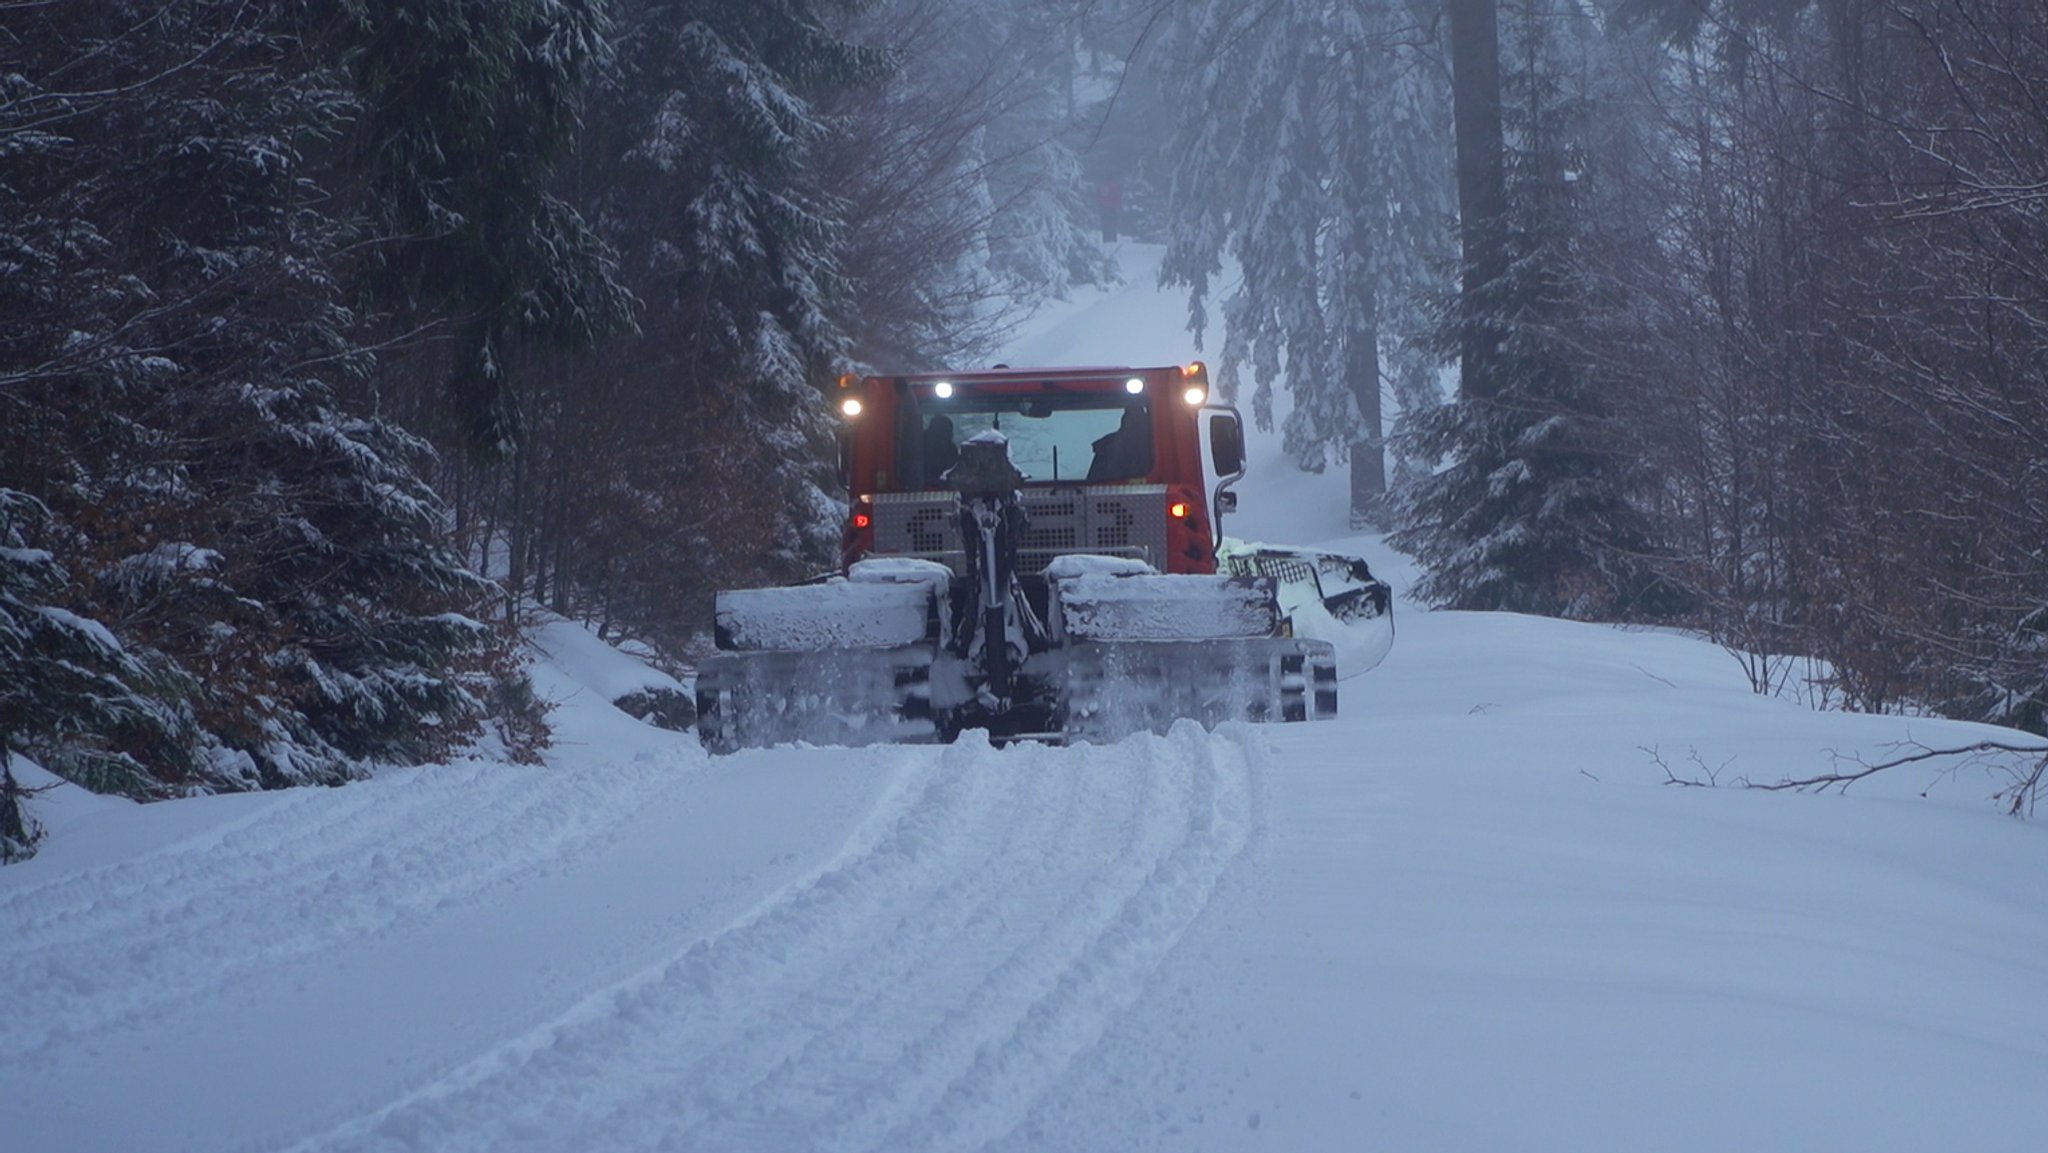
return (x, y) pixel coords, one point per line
(302, 872)
(974, 937)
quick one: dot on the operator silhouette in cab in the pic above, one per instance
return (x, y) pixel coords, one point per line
(940, 453)
(1126, 453)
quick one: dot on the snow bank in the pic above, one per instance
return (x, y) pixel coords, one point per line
(576, 653)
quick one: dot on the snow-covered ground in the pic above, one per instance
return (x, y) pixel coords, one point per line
(1468, 915)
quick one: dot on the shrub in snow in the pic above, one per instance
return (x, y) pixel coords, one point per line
(662, 708)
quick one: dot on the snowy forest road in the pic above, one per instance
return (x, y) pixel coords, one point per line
(1469, 914)
(969, 940)
(406, 957)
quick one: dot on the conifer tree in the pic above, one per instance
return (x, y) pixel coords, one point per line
(463, 108)
(1537, 508)
(248, 580)
(959, 176)
(67, 686)
(695, 452)
(1306, 157)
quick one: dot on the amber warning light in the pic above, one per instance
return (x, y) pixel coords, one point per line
(1178, 508)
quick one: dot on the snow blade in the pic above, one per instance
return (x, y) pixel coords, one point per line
(832, 614)
(1115, 688)
(1122, 606)
(825, 696)
(1089, 690)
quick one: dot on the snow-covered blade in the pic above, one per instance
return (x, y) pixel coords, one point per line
(1117, 688)
(820, 697)
(888, 656)
(834, 614)
(1162, 606)
(1085, 690)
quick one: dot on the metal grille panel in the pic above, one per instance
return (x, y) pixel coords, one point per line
(1113, 520)
(1286, 569)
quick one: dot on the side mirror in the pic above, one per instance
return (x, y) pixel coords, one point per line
(1226, 445)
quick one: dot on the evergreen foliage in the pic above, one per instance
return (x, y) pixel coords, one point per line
(73, 692)
(706, 137)
(19, 828)
(1813, 296)
(464, 108)
(217, 578)
(1310, 152)
(692, 452)
(1029, 155)
(793, 189)
(1538, 508)
(710, 135)
(960, 176)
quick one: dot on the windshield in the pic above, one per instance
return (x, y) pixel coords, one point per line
(1084, 439)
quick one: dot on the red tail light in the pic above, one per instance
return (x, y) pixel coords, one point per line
(858, 538)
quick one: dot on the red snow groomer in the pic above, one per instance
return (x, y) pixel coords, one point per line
(1034, 552)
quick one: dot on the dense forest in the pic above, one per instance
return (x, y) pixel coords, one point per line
(338, 335)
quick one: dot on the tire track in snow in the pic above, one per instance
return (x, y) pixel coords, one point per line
(505, 1096)
(843, 1009)
(778, 1095)
(118, 943)
(1060, 1010)
(919, 991)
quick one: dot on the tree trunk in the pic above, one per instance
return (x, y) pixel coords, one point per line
(1482, 187)
(1369, 451)
(1360, 266)
(518, 537)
